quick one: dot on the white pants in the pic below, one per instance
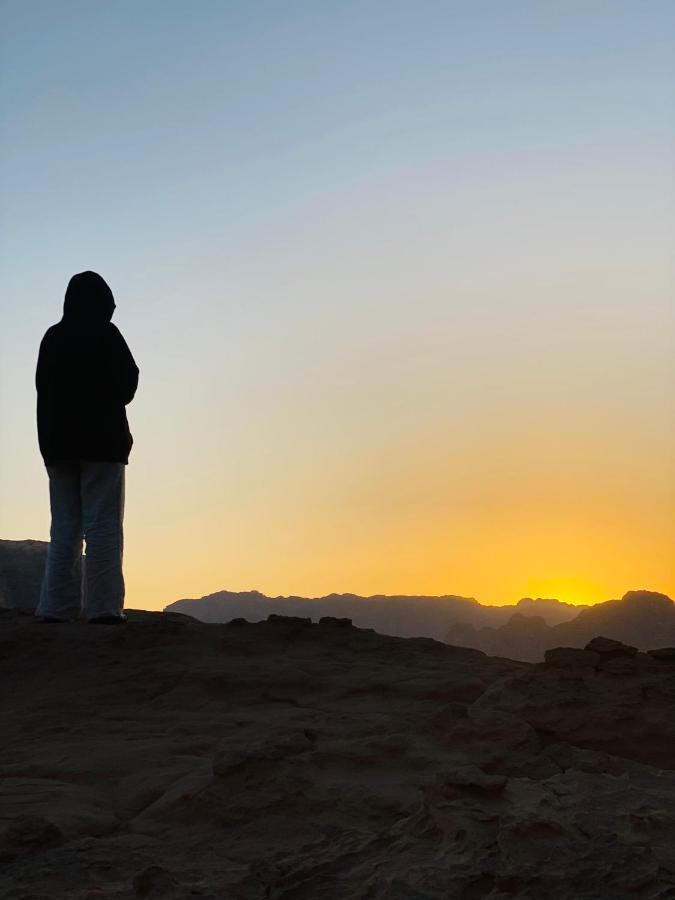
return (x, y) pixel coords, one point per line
(87, 503)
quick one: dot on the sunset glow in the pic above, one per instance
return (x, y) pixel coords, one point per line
(398, 279)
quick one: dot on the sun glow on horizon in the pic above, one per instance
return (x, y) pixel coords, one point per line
(401, 295)
(577, 591)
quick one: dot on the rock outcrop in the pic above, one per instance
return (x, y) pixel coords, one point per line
(22, 564)
(400, 616)
(643, 618)
(287, 759)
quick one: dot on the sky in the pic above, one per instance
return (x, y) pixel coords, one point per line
(398, 277)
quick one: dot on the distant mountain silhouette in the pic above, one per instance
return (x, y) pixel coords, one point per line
(400, 616)
(550, 610)
(643, 619)
(22, 566)
(524, 630)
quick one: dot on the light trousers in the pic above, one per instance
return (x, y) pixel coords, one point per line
(87, 504)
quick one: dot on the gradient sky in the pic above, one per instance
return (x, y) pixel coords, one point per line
(398, 278)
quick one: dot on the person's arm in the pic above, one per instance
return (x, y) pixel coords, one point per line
(125, 366)
(42, 368)
(43, 379)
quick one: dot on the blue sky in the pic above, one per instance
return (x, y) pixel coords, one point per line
(329, 228)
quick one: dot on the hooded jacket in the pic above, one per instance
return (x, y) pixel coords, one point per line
(85, 377)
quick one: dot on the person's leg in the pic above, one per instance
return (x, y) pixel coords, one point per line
(102, 516)
(60, 595)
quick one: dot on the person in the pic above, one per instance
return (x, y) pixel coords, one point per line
(85, 377)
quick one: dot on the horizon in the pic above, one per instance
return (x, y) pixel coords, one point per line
(399, 282)
(380, 595)
(398, 595)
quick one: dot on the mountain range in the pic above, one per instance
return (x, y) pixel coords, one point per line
(524, 630)
(396, 615)
(643, 619)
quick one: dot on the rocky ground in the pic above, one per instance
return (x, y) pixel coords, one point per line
(170, 758)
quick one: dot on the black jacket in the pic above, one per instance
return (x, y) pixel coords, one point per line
(85, 377)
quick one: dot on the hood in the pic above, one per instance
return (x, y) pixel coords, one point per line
(88, 299)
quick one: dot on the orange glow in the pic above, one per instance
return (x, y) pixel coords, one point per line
(401, 328)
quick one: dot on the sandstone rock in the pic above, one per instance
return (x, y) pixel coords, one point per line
(609, 648)
(33, 833)
(618, 665)
(289, 621)
(245, 763)
(663, 654)
(571, 657)
(22, 565)
(471, 777)
(152, 881)
(269, 751)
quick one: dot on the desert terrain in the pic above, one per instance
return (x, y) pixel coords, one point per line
(290, 759)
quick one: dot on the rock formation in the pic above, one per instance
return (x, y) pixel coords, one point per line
(643, 618)
(22, 564)
(400, 616)
(285, 760)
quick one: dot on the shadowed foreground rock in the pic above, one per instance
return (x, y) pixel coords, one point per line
(22, 565)
(284, 759)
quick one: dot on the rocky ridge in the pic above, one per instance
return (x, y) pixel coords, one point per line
(285, 759)
(22, 564)
(643, 618)
(397, 615)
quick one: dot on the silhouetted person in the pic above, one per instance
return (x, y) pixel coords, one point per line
(85, 377)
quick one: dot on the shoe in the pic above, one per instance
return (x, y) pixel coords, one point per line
(51, 620)
(108, 620)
